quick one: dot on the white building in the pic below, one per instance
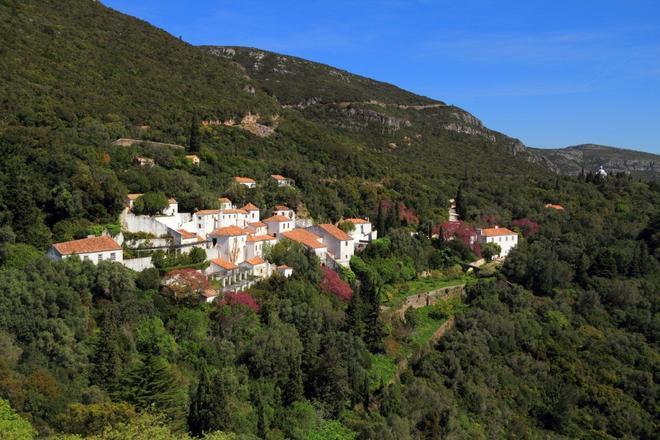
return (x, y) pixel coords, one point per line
(253, 213)
(281, 180)
(131, 198)
(363, 231)
(284, 211)
(285, 270)
(256, 243)
(232, 217)
(245, 181)
(172, 207)
(279, 224)
(230, 242)
(182, 237)
(257, 228)
(205, 221)
(341, 246)
(257, 267)
(309, 240)
(94, 249)
(225, 271)
(225, 203)
(503, 237)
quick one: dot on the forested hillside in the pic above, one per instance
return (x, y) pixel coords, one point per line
(559, 342)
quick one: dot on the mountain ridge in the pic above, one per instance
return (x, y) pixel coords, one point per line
(575, 159)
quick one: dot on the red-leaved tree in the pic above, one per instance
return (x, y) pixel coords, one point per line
(459, 230)
(239, 298)
(332, 283)
(526, 226)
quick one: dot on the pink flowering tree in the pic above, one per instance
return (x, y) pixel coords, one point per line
(333, 284)
(239, 298)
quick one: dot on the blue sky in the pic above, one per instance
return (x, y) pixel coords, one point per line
(552, 73)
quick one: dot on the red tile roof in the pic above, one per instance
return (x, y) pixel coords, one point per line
(256, 238)
(87, 245)
(282, 208)
(134, 196)
(234, 211)
(207, 212)
(229, 231)
(255, 261)
(305, 238)
(257, 224)
(210, 293)
(239, 179)
(227, 265)
(557, 207)
(335, 232)
(277, 218)
(495, 232)
(185, 234)
(224, 200)
(283, 267)
(357, 221)
(277, 177)
(250, 207)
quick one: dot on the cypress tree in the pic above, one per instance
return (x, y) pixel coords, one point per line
(397, 215)
(108, 363)
(193, 140)
(200, 414)
(461, 208)
(380, 220)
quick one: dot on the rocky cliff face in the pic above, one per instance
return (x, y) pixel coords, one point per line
(464, 122)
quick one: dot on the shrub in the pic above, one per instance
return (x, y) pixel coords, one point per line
(151, 203)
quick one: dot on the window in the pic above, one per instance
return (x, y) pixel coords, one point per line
(86, 258)
(100, 257)
(199, 226)
(113, 256)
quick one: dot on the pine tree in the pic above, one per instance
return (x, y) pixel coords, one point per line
(153, 386)
(193, 140)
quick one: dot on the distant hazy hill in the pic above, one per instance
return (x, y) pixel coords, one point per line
(571, 160)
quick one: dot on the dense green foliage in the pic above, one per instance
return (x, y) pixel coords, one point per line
(559, 342)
